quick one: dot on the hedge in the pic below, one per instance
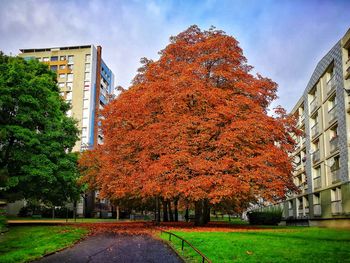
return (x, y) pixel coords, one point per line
(265, 217)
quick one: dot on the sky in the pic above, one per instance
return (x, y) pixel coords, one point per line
(282, 39)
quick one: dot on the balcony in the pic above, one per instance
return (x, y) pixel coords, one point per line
(317, 182)
(290, 212)
(317, 210)
(336, 207)
(303, 141)
(315, 130)
(331, 84)
(313, 104)
(347, 73)
(301, 119)
(332, 114)
(316, 156)
(333, 144)
(300, 211)
(335, 176)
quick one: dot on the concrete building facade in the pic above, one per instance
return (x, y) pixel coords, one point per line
(321, 158)
(84, 80)
(87, 83)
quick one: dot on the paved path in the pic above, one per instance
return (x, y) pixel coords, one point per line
(107, 248)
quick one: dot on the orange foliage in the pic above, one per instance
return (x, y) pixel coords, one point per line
(194, 125)
(148, 228)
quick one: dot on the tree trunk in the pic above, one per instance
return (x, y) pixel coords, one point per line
(165, 211)
(53, 212)
(206, 211)
(75, 211)
(186, 214)
(176, 212)
(157, 210)
(171, 215)
(198, 213)
(202, 212)
(117, 212)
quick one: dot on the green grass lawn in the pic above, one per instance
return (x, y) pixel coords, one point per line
(26, 243)
(70, 220)
(278, 245)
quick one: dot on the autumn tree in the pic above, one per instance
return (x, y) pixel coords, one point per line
(36, 136)
(195, 126)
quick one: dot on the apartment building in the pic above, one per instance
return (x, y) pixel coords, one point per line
(87, 83)
(84, 80)
(321, 158)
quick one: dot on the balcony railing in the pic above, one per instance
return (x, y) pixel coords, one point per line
(317, 210)
(347, 74)
(331, 84)
(316, 156)
(332, 114)
(300, 211)
(337, 207)
(317, 182)
(333, 144)
(315, 130)
(313, 104)
(306, 210)
(335, 175)
(301, 119)
(290, 212)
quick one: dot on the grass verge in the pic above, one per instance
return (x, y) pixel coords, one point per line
(26, 243)
(277, 245)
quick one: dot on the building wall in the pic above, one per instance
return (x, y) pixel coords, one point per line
(321, 158)
(90, 88)
(82, 89)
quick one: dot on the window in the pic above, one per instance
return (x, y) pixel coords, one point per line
(62, 58)
(69, 85)
(53, 67)
(332, 103)
(70, 67)
(55, 58)
(45, 59)
(84, 140)
(85, 103)
(40, 59)
(70, 59)
(336, 200)
(86, 94)
(335, 164)
(336, 194)
(87, 67)
(62, 76)
(332, 111)
(316, 198)
(62, 94)
(87, 58)
(314, 126)
(70, 77)
(61, 85)
(62, 67)
(69, 95)
(84, 131)
(313, 100)
(85, 121)
(317, 183)
(85, 113)
(87, 75)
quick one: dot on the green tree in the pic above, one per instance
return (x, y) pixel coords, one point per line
(36, 136)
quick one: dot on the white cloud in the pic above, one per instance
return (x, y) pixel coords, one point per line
(283, 40)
